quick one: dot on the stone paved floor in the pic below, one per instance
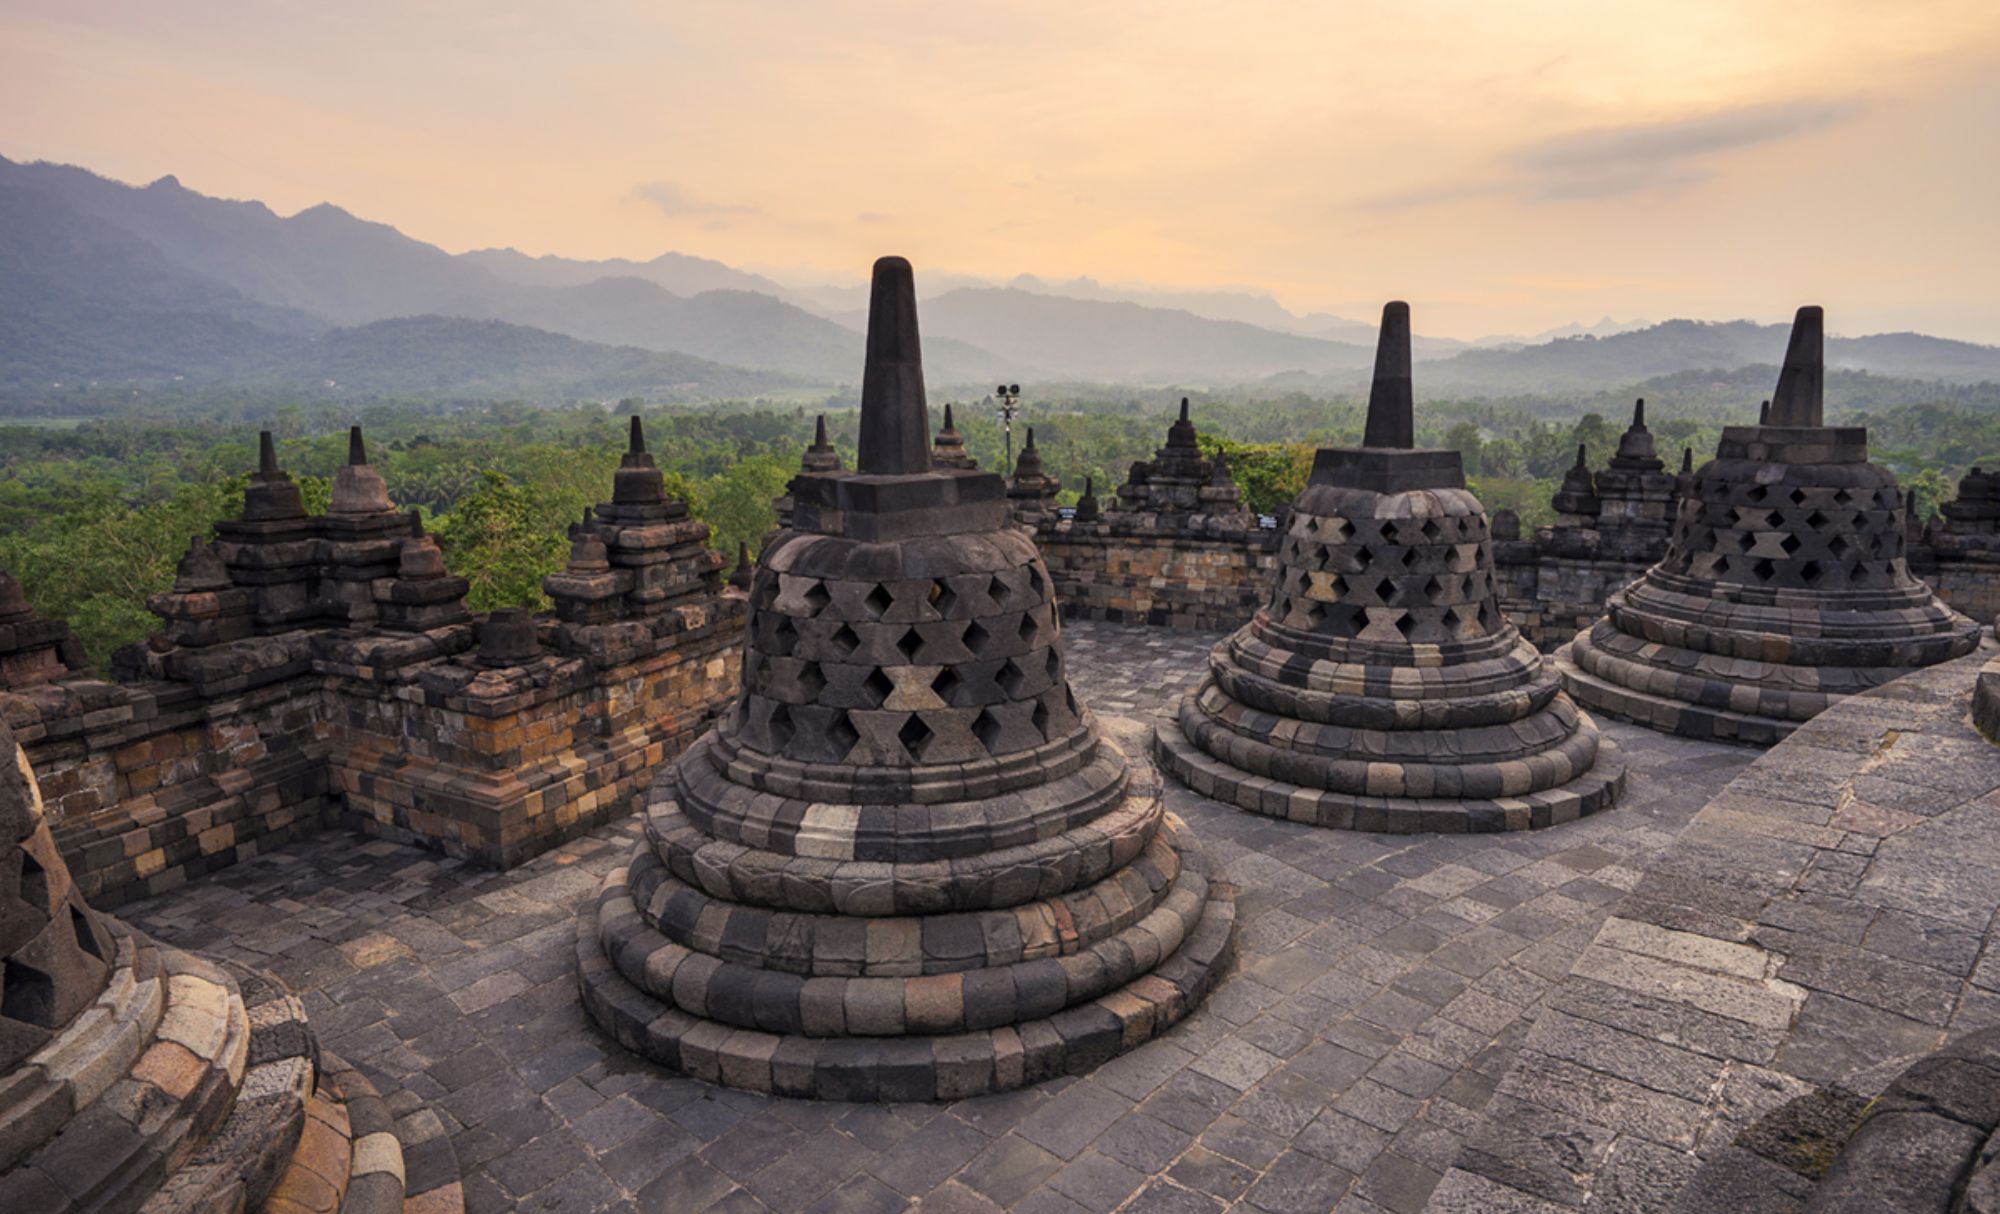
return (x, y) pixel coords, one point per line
(1382, 987)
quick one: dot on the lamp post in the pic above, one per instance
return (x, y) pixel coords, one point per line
(1009, 396)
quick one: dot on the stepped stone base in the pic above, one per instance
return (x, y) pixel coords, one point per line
(627, 968)
(1597, 788)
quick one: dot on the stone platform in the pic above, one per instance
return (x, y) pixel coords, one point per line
(1822, 925)
(1381, 988)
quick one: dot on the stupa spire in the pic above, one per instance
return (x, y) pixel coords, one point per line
(357, 450)
(895, 424)
(1391, 399)
(1801, 396)
(267, 454)
(636, 445)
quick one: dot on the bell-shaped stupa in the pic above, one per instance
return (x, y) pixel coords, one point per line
(906, 865)
(1786, 585)
(1381, 688)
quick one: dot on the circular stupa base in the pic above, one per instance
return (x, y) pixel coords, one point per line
(620, 953)
(1596, 789)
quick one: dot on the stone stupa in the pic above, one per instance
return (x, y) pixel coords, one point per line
(906, 865)
(1786, 585)
(1381, 688)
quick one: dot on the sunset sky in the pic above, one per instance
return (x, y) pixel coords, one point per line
(1504, 166)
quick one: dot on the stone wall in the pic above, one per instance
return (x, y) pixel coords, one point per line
(1170, 579)
(1550, 596)
(317, 671)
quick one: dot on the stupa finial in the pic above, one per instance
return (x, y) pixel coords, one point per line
(895, 424)
(1801, 396)
(1391, 413)
(267, 454)
(637, 444)
(357, 450)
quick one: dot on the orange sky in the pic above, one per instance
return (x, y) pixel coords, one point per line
(1504, 166)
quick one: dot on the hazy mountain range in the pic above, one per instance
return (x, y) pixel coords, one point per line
(106, 283)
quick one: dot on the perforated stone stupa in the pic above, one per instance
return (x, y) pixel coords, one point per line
(1381, 688)
(906, 865)
(1786, 585)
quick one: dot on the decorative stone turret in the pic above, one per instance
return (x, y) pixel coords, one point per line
(820, 457)
(650, 558)
(363, 534)
(274, 550)
(205, 607)
(423, 596)
(1382, 689)
(746, 568)
(948, 448)
(33, 651)
(906, 866)
(1786, 586)
(1636, 501)
(139, 1077)
(1181, 489)
(1032, 490)
(1576, 501)
(1959, 552)
(1087, 509)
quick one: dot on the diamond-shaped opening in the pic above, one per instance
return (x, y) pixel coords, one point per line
(34, 882)
(784, 636)
(879, 601)
(997, 591)
(1338, 586)
(1432, 590)
(915, 736)
(1037, 583)
(942, 599)
(1815, 520)
(1314, 614)
(782, 727)
(844, 641)
(1407, 625)
(1763, 570)
(1429, 530)
(1040, 719)
(988, 730)
(817, 598)
(877, 687)
(1485, 618)
(1798, 497)
(812, 680)
(842, 734)
(977, 639)
(1388, 530)
(1385, 590)
(86, 935)
(1408, 557)
(1054, 666)
(1810, 573)
(1028, 628)
(1013, 678)
(946, 684)
(27, 995)
(1842, 498)
(1790, 543)
(1838, 546)
(1757, 493)
(910, 644)
(1363, 557)
(1342, 531)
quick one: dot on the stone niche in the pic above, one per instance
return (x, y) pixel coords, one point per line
(1176, 548)
(316, 671)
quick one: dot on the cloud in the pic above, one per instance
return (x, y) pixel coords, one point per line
(674, 200)
(873, 217)
(1645, 156)
(1637, 158)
